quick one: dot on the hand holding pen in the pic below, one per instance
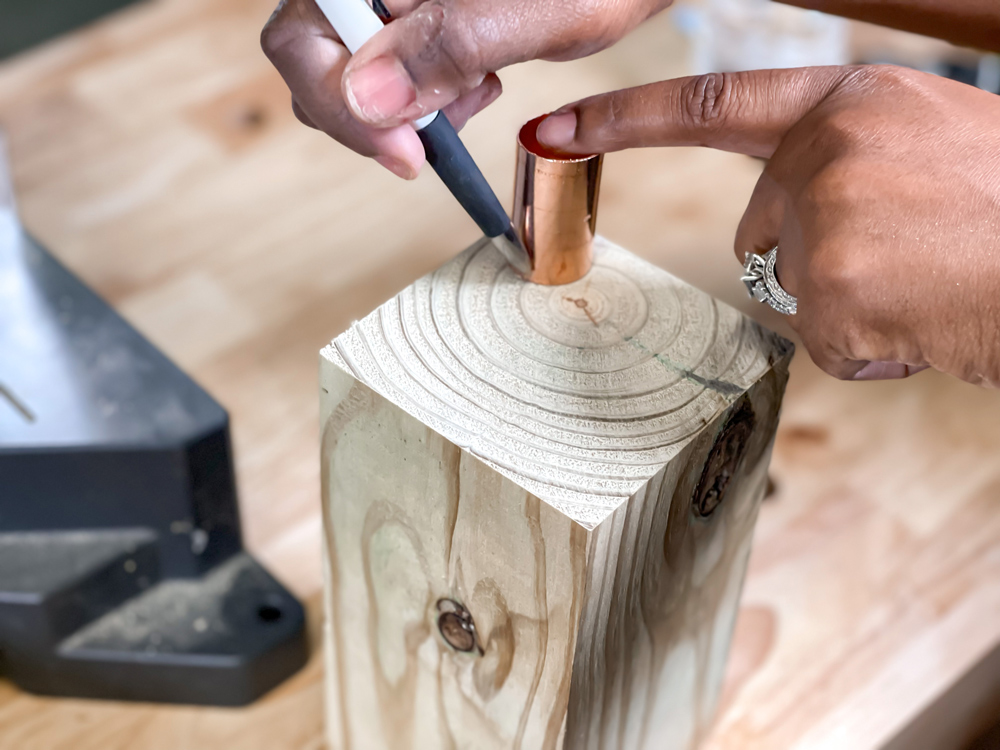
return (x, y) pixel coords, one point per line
(356, 23)
(441, 54)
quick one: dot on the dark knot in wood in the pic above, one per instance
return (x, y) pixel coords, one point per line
(724, 460)
(253, 118)
(457, 626)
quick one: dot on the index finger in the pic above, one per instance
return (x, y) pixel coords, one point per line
(748, 112)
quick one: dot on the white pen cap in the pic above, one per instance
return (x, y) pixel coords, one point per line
(355, 22)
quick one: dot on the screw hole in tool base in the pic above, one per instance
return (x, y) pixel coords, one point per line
(268, 613)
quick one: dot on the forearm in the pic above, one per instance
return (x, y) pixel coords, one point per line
(970, 23)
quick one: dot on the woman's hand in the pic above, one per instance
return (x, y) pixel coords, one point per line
(882, 193)
(437, 54)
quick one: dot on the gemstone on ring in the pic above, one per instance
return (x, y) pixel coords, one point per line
(762, 282)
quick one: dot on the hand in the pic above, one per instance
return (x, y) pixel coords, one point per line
(438, 54)
(882, 193)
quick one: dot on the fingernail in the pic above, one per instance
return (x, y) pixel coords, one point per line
(379, 90)
(868, 371)
(397, 166)
(558, 130)
(882, 371)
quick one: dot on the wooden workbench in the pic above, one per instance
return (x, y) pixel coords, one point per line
(155, 153)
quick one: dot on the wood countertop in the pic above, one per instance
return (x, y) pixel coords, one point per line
(155, 153)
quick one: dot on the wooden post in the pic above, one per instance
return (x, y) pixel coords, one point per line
(539, 503)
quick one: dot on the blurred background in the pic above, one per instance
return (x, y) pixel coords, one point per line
(153, 150)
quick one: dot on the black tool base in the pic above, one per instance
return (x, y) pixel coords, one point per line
(223, 639)
(122, 570)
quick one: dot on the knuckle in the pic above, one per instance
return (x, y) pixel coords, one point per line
(761, 223)
(283, 30)
(843, 130)
(339, 124)
(708, 99)
(828, 205)
(713, 100)
(839, 277)
(899, 83)
(883, 76)
(852, 124)
(602, 119)
(834, 328)
(614, 118)
(459, 41)
(592, 24)
(829, 190)
(271, 38)
(827, 355)
(830, 273)
(850, 341)
(819, 348)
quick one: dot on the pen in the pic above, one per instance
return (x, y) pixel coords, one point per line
(355, 22)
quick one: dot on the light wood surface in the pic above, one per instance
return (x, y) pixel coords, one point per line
(155, 153)
(578, 468)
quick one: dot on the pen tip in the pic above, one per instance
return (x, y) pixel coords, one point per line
(513, 250)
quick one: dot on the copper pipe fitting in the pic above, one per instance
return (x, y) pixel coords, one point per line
(555, 208)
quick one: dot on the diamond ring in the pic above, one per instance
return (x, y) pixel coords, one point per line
(762, 283)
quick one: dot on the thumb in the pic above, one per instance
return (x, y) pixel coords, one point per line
(430, 56)
(748, 112)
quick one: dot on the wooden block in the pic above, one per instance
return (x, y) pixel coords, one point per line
(538, 505)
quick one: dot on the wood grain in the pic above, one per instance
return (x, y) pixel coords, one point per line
(528, 455)
(402, 539)
(580, 392)
(158, 147)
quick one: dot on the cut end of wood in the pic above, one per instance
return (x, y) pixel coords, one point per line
(578, 393)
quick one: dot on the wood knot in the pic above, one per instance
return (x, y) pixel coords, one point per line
(724, 461)
(253, 117)
(457, 626)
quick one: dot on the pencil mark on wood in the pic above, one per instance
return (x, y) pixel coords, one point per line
(582, 303)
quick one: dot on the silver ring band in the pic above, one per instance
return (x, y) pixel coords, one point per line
(762, 283)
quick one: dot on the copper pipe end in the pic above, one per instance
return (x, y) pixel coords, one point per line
(555, 208)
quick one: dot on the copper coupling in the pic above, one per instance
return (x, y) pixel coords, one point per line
(555, 208)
